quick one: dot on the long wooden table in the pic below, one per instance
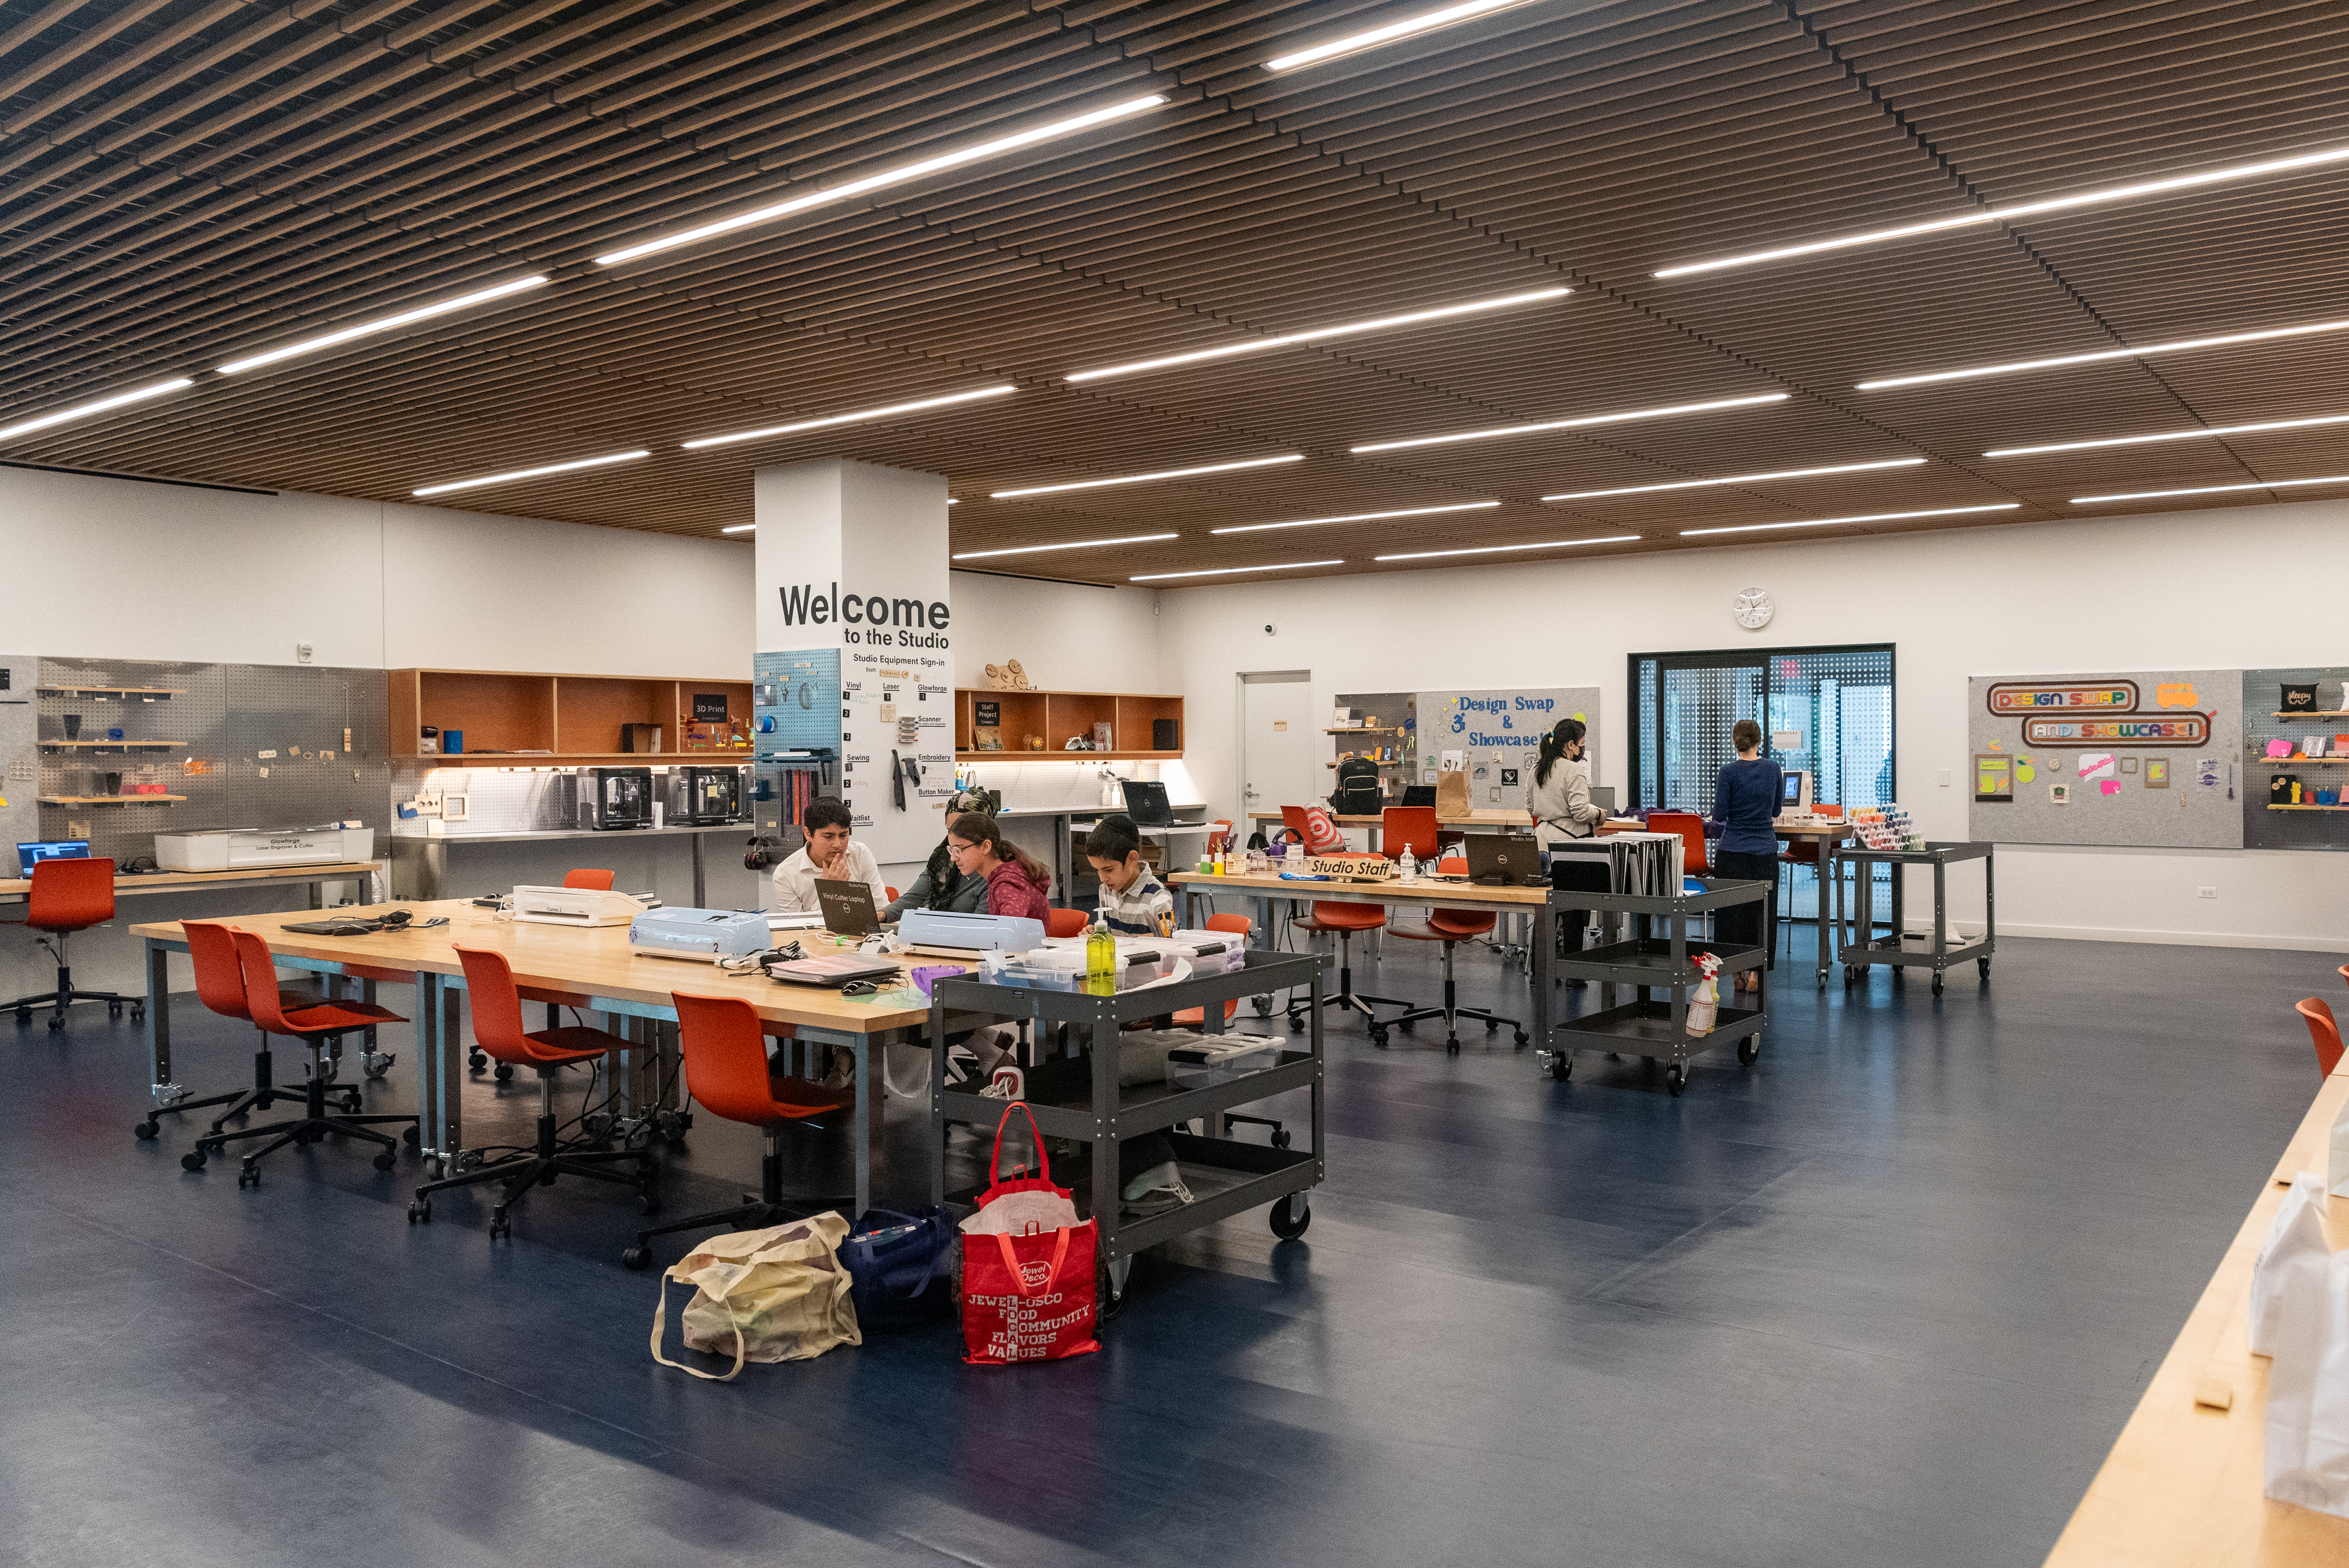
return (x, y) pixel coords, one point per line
(596, 962)
(14, 888)
(2182, 1485)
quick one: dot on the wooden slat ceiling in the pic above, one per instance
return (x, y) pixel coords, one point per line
(183, 181)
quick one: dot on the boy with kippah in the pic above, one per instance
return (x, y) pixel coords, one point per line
(1133, 902)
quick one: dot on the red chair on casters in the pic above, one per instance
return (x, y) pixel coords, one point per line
(595, 880)
(726, 1069)
(219, 986)
(1345, 919)
(329, 1021)
(1452, 927)
(69, 896)
(497, 1024)
(2323, 1031)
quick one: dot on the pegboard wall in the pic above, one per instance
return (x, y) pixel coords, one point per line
(2139, 758)
(241, 745)
(2314, 824)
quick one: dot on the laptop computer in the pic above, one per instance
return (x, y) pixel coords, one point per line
(1147, 803)
(1418, 795)
(848, 908)
(31, 855)
(1503, 859)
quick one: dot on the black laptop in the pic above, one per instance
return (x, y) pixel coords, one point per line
(1505, 860)
(1419, 794)
(848, 908)
(1147, 803)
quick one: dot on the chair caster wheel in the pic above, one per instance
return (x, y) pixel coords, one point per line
(1561, 1065)
(477, 1060)
(1409, 1025)
(1524, 1039)
(1452, 1047)
(647, 1203)
(636, 1257)
(419, 1212)
(145, 1130)
(1379, 1038)
(249, 1176)
(377, 1067)
(56, 1021)
(1280, 1137)
(1747, 1050)
(193, 1161)
(500, 1225)
(114, 1010)
(138, 1013)
(1675, 1080)
(386, 1160)
(1290, 1216)
(408, 1136)
(505, 1075)
(1296, 1025)
(1491, 1026)
(352, 1105)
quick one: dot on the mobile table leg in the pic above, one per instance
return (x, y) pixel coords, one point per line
(1544, 962)
(159, 1025)
(701, 892)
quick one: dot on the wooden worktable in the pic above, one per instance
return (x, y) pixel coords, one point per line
(187, 881)
(2182, 1484)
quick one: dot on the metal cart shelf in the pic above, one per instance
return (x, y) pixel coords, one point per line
(1225, 1174)
(1857, 946)
(1650, 1025)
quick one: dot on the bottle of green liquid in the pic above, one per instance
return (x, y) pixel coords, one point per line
(1101, 960)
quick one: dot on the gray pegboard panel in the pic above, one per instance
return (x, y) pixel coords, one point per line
(2262, 692)
(20, 758)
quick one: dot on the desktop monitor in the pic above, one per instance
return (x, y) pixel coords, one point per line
(31, 855)
(1795, 793)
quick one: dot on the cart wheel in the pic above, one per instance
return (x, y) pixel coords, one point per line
(1280, 1137)
(1290, 1216)
(1983, 964)
(1851, 976)
(1561, 1065)
(1675, 1080)
(1749, 1048)
(1937, 982)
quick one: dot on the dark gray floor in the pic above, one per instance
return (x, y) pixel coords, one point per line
(1884, 1298)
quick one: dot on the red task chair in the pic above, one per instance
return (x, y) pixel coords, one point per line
(1452, 927)
(71, 895)
(590, 878)
(316, 1027)
(1412, 827)
(1345, 920)
(219, 986)
(726, 1069)
(497, 1024)
(1690, 828)
(2323, 1031)
(1066, 922)
(595, 879)
(1197, 1017)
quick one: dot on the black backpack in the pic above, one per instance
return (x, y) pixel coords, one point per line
(1358, 793)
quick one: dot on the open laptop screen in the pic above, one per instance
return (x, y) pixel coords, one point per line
(31, 855)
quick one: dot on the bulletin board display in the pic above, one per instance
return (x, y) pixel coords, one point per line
(2299, 713)
(1497, 731)
(2148, 759)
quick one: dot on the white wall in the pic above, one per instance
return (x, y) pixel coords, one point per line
(2248, 587)
(1068, 637)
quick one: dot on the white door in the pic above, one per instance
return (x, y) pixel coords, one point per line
(1280, 750)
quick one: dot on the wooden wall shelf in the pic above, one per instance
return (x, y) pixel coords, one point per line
(107, 799)
(106, 745)
(1056, 715)
(112, 690)
(526, 719)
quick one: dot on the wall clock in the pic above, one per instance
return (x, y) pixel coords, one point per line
(1752, 608)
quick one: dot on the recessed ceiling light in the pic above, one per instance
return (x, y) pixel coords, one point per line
(1738, 479)
(1072, 545)
(2007, 214)
(381, 324)
(1393, 32)
(1864, 517)
(2208, 490)
(2061, 360)
(2170, 435)
(1379, 324)
(1144, 478)
(1498, 549)
(859, 417)
(898, 175)
(531, 473)
(83, 411)
(1587, 419)
(740, 528)
(1227, 571)
(1359, 517)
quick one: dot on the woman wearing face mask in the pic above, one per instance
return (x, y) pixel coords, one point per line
(1559, 801)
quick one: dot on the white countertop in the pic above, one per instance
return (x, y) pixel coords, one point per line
(546, 834)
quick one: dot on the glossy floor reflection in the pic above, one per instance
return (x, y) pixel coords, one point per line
(1883, 1298)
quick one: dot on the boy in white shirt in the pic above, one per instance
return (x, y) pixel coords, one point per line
(830, 855)
(1133, 903)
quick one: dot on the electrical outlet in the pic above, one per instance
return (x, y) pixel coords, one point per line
(301, 653)
(2206, 892)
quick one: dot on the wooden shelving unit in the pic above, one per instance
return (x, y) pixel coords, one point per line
(517, 718)
(1056, 715)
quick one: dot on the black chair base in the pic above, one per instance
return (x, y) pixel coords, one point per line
(311, 1127)
(65, 996)
(540, 1167)
(1452, 1013)
(263, 1095)
(1347, 997)
(752, 1214)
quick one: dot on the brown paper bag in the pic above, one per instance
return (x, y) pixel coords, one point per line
(776, 1294)
(1452, 796)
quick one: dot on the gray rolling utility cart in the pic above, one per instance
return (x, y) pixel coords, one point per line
(1226, 1174)
(1859, 947)
(1661, 969)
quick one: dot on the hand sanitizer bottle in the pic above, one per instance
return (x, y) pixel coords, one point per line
(1408, 864)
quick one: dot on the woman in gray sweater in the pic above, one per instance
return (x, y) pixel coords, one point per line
(1560, 802)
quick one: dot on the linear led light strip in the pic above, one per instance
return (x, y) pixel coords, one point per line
(1409, 27)
(1865, 517)
(858, 417)
(1498, 549)
(1581, 423)
(2208, 490)
(898, 175)
(531, 472)
(2151, 348)
(1072, 545)
(1358, 518)
(83, 411)
(1227, 571)
(1738, 479)
(1143, 478)
(2008, 214)
(385, 324)
(1380, 323)
(2168, 435)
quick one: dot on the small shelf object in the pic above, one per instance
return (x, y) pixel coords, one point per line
(1135, 720)
(2308, 805)
(517, 718)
